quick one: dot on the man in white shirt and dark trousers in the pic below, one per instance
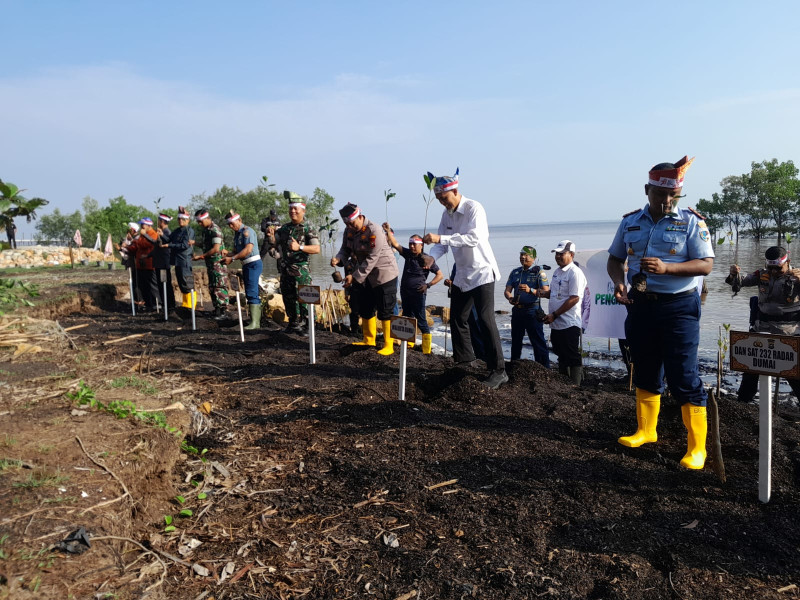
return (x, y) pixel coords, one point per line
(465, 230)
(566, 292)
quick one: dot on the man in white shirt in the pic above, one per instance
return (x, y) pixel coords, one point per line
(566, 292)
(465, 230)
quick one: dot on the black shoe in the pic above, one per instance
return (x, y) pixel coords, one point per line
(294, 327)
(220, 313)
(496, 379)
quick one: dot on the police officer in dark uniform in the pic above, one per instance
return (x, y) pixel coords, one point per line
(667, 249)
(778, 309)
(522, 290)
(292, 244)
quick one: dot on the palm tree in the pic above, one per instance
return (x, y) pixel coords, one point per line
(13, 204)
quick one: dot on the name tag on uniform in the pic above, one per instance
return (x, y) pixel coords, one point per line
(636, 228)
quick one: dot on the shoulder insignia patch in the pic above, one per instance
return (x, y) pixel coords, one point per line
(695, 213)
(246, 233)
(633, 212)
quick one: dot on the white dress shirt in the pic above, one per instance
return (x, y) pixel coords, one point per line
(566, 282)
(466, 231)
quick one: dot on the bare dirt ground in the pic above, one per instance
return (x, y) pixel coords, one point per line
(317, 482)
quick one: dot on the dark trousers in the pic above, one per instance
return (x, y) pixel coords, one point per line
(185, 278)
(749, 387)
(414, 306)
(148, 287)
(12, 239)
(567, 347)
(523, 320)
(461, 303)
(380, 298)
(170, 299)
(664, 334)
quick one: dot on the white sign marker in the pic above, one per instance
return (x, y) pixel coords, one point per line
(405, 330)
(311, 295)
(766, 355)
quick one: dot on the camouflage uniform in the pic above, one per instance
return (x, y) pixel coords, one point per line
(293, 265)
(217, 271)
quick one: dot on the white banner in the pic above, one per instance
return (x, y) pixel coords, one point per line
(606, 316)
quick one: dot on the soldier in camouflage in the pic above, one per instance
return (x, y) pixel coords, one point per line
(213, 252)
(291, 245)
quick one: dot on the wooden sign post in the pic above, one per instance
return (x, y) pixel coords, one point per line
(766, 355)
(405, 330)
(310, 295)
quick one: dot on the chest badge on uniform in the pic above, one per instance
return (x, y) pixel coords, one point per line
(672, 251)
(630, 251)
(372, 241)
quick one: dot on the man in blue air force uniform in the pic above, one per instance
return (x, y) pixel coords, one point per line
(667, 248)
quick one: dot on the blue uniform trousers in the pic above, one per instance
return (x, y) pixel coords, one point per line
(414, 306)
(663, 331)
(250, 273)
(523, 320)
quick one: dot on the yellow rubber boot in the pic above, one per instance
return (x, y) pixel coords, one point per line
(694, 417)
(388, 344)
(410, 344)
(189, 300)
(647, 407)
(369, 328)
(426, 343)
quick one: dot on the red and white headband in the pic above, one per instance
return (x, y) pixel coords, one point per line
(415, 239)
(233, 217)
(297, 205)
(778, 262)
(354, 216)
(201, 216)
(165, 218)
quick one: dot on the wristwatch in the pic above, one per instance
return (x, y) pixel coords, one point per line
(301, 247)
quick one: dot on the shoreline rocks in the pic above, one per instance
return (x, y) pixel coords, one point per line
(48, 256)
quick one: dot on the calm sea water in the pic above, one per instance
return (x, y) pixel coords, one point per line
(719, 306)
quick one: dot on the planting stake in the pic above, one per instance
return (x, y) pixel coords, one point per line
(239, 308)
(764, 437)
(133, 299)
(403, 350)
(192, 303)
(311, 341)
(166, 307)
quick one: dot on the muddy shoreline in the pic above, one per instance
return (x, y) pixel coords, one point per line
(317, 482)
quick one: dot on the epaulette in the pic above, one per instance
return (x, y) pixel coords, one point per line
(633, 212)
(695, 213)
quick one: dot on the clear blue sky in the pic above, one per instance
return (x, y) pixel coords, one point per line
(553, 111)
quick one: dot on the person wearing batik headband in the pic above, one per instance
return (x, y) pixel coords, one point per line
(778, 309)
(245, 249)
(524, 290)
(464, 229)
(145, 245)
(161, 261)
(291, 244)
(374, 280)
(180, 244)
(213, 253)
(413, 284)
(668, 249)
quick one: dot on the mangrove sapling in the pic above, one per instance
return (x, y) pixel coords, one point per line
(388, 195)
(717, 464)
(430, 183)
